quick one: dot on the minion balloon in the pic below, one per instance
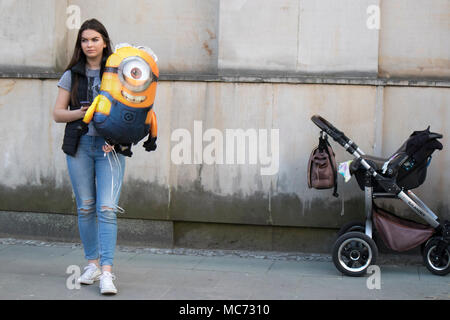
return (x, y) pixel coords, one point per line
(123, 111)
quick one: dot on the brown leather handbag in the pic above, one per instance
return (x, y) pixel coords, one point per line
(322, 169)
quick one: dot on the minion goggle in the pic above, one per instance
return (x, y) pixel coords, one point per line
(134, 72)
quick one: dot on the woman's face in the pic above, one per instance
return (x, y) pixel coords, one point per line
(92, 43)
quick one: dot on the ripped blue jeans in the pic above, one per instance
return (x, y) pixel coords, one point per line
(96, 182)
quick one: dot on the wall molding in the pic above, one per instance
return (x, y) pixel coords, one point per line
(263, 78)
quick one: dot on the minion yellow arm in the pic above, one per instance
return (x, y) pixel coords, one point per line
(151, 120)
(90, 111)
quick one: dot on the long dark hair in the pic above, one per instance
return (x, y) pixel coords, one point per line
(78, 54)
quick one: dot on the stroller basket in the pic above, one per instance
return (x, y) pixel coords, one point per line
(400, 234)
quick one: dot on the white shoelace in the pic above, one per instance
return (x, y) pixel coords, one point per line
(107, 280)
(89, 271)
(109, 275)
(90, 266)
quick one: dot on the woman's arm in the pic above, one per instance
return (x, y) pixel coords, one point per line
(61, 113)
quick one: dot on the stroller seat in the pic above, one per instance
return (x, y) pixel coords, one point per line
(408, 165)
(376, 162)
(387, 167)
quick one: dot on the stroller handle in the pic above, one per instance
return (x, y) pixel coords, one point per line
(336, 134)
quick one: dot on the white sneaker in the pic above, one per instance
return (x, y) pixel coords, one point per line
(106, 283)
(91, 273)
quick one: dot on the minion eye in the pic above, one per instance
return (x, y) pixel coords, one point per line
(135, 74)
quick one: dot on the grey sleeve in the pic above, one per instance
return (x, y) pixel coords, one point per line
(66, 81)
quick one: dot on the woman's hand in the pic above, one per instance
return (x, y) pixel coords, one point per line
(81, 112)
(107, 148)
(61, 113)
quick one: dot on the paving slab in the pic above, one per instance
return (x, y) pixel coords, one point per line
(39, 270)
(231, 264)
(310, 268)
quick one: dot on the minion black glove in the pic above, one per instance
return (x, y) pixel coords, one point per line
(150, 144)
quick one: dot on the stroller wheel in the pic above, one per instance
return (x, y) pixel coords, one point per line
(438, 264)
(353, 253)
(352, 226)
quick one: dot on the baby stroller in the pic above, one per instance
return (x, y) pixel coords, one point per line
(355, 250)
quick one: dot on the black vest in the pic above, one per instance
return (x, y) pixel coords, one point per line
(72, 132)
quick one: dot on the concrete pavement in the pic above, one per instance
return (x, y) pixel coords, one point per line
(33, 269)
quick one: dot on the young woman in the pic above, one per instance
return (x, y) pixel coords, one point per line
(95, 174)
